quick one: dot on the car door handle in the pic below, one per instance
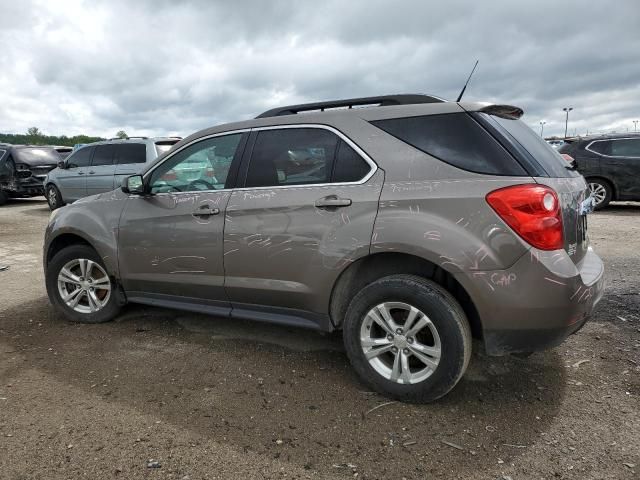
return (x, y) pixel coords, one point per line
(80, 173)
(333, 201)
(206, 211)
(91, 172)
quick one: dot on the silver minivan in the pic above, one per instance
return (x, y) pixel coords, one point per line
(100, 167)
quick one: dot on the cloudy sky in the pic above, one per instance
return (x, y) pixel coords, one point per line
(161, 67)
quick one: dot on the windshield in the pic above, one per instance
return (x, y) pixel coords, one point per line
(37, 156)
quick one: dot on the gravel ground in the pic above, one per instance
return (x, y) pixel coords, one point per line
(213, 398)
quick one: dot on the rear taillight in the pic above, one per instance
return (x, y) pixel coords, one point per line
(533, 211)
(567, 157)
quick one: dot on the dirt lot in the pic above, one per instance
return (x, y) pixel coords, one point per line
(214, 398)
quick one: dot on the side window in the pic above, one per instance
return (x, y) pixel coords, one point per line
(349, 167)
(628, 147)
(80, 158)
(456, 139)
(2, 152)
(130, 153)
(202, 166)
(602, 147)
(291, 156)
(103, 155)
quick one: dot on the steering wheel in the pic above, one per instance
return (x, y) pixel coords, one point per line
(199, 181)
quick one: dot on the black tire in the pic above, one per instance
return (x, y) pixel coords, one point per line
(3, 197)
(600, 185)
(108, 312)
(444, 312)
(54, 198)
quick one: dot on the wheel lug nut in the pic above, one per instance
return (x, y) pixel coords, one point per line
(394, 350)
(389, 337)
(406, 351)
(399, 331)
(410, 339)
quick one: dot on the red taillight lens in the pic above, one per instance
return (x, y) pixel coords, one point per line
(567, 157)
(170, 176)
(533, 211)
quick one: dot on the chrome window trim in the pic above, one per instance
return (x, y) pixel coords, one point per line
(2, 152)
(373, 166)
(610, 140)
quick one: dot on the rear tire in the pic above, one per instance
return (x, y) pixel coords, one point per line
(400, 362)
(54, 199)
(3, 197)
(602, 192)
(78, 273)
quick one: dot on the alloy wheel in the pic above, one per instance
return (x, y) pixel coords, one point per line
(400, 342)
(84, 286)
(598, 191)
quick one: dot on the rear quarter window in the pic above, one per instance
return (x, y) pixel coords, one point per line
(130, 153)
(456, 139)
(533, 145)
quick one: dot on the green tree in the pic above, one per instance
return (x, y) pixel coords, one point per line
(122, 134)
(34, 132)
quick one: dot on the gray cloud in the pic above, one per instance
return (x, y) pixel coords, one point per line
(172, 67)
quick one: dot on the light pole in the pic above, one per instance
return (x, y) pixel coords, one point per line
(542, 127)
(566, 121)
(635, 125)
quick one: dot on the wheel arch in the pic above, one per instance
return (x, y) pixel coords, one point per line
(372, 267)
(614, 187)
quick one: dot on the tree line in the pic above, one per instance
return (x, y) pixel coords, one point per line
(35, 137)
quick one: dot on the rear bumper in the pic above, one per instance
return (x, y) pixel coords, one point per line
(537, 303)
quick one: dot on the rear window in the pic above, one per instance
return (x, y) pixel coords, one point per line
(37, 155)
(545, 155)
(456, 139)
(130, 153)
(165, 146)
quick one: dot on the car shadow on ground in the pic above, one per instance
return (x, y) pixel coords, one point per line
(260, 387)
(621, 209)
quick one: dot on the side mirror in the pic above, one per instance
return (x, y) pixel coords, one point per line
(61, 164)
(133, 185)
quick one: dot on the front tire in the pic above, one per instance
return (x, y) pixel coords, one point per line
(407, 338)
(79, 286)
(602, 192)
(54, 198)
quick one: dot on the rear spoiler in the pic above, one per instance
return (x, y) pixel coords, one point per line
(503, 111)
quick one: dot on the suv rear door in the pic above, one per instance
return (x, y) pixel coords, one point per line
(306, 211)
(622, 165)
(170, 241)
(100, 173)
(72, 180)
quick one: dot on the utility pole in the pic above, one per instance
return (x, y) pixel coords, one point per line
(542, 127)
(635, 125)
(566, 121)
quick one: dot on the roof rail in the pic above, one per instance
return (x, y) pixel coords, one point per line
(125, 138)
(381, 101)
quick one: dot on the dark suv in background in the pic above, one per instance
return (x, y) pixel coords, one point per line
(610, 164)
(23, 169)
(411, 224)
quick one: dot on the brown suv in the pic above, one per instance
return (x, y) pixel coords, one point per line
(411, 224)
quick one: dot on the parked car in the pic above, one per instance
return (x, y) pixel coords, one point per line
(432, 222)
(611, 165)
(100, 167)
(23, 169)
(63, 151)
(555, 143)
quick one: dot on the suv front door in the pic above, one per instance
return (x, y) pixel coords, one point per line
(73, 179)
(306, 211)
(171, 241)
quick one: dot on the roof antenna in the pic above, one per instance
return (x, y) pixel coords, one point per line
(467, 82)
